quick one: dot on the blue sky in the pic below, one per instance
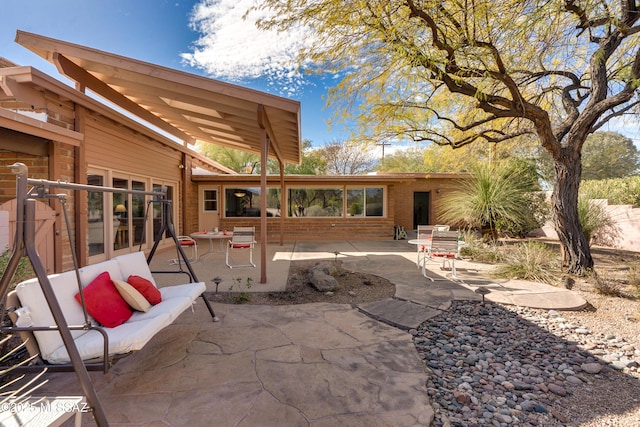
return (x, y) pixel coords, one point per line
(160, 32)
(205, 37)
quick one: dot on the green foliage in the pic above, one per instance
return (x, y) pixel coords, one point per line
(477, 249)
(240, 161)
(605, 156)
(457, 73)
(608, 155)
(355, 209)
(312, 163)
(242, 296)
(23, 272)
(529, 261)
(495, 198)
(236, 160)
(407, 160)
(619, 191)
(596, 222)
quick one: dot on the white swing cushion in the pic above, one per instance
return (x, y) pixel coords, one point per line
(129, 336)
(65, 286)
(134, 264)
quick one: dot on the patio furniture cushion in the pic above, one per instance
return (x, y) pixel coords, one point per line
(135, 299)
(134, 264)
(173, 307)
(190, 290)
(104, 303)
(146, 288)
(127, 337)
(124, 338)
(31, 297)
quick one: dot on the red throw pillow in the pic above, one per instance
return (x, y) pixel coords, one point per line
(104, 303)
(146, 288)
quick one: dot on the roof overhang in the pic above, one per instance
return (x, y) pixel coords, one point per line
(189, 107)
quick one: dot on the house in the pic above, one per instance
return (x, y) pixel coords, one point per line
(141, 139)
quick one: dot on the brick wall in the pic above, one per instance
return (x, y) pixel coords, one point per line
(318, 228)
(63, 170)
(38, 169)
(403, 199)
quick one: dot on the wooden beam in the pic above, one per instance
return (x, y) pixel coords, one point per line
(23, 93)
(264, 123)
(28, 125)
(263, 204)
(82, 77)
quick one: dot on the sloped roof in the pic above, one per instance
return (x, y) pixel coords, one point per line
(192, 108)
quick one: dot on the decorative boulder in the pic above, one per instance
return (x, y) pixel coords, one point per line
(321, 280)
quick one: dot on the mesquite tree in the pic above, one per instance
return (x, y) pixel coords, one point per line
(456, 72)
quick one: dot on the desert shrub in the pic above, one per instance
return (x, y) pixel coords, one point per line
(604, 286)
(494, 198)
(619, 191)
(538, 213)
(477, 249)
(23, 272)
(533, 261)
(633, 277)
(597, 224)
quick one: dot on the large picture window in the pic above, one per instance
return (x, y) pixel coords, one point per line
(316, 202)
(365, 201)
(245, 202)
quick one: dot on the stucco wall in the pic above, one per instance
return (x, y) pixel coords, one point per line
(625, 234)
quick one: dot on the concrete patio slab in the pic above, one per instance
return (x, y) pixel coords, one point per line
(296, 365)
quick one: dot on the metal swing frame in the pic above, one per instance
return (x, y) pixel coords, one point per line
(24, 245)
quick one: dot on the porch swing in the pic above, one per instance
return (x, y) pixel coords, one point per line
(80, 345)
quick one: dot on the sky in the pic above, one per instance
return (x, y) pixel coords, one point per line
(204, 37)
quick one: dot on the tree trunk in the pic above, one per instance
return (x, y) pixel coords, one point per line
(564, 199)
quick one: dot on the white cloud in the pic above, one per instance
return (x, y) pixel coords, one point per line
(231, 47)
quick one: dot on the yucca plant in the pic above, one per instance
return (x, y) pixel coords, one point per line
(494, 198)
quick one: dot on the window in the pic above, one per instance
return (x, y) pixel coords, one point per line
(157, 208)
(365, 202)
(96, 217)
(210, 199)
(316, 202)
(121, 211)
(245, 202)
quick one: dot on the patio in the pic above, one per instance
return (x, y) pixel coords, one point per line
(315, 364)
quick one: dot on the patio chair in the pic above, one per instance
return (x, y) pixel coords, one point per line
(188, 242)
(444, 245)
(243, 239)
(424, 236)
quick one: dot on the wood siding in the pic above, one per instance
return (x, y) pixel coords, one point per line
(115, 147)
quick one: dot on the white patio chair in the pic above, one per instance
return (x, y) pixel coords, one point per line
(424, 236)
(444, 246)
(243, 239)
(188, 242)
